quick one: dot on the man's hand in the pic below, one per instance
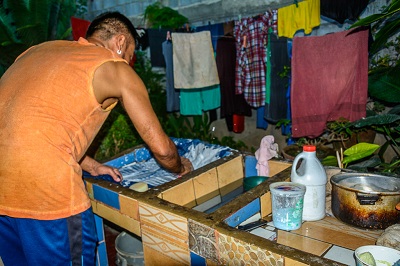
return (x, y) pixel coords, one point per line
(95, 168)
(186, 166)
(108, 170)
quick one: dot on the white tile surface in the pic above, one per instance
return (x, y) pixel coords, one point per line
(208, 204)
(342, 255)
(264, 233)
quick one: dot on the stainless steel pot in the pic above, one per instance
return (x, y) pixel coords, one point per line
(366, 200)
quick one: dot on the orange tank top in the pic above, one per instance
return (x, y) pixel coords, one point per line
(49, 118)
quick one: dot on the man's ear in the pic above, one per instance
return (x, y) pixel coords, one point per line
(121, 40)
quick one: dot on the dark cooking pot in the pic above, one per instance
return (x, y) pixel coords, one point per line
(366, 200)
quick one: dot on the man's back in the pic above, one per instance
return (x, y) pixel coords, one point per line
(50, 118)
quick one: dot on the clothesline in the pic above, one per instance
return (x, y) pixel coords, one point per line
(255, 79)
(249, 13)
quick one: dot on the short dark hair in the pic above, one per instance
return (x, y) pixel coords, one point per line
(108, 24)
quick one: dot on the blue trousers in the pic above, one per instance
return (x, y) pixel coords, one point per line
(66, 241)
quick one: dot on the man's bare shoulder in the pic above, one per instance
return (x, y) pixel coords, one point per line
(113, 77)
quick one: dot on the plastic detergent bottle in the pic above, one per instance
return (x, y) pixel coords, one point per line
(312, 174)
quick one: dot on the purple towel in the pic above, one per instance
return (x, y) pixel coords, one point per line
(329, 80)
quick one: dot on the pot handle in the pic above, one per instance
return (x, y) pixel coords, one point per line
(367, 199)
(398, 206)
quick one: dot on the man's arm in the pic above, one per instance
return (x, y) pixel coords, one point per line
(118, 80)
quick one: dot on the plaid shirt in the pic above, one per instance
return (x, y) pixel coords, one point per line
(250, 60)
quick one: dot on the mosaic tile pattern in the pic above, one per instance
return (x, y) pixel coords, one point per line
(164, 246)
(165, 232)
(202, 240)
(236, 252)
(166, 221)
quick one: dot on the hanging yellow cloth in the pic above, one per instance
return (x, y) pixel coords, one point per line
(304, 16)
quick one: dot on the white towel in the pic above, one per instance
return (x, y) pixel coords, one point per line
(193, 60)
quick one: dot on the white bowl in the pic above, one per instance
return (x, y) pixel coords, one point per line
(383, 256)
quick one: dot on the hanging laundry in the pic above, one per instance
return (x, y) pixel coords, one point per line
(231, 103)
(251, 37)
(195, 101)
(172, 94)
(276, 103)
(260, 121)
(342, 10)
(329, 80)
(304, 15)
(216, 31)
(194, 61)
(229, 27)
(156, 38)
(143, 42)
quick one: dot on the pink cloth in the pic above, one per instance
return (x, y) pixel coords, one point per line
(329, 80)
(268, 149)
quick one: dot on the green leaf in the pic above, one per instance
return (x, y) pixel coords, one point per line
(390, 10)
(330, 161)
(384, 85)
(368, 20)
(389, 29)
(359, 151)
(369, 163)
(395, 110)
(384, 119)
(394, 6)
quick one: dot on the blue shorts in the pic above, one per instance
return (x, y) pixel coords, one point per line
(67, 241)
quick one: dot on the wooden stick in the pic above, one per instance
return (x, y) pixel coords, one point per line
(341, 157)
(338, 159)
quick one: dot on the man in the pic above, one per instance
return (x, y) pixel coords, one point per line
(54, 99)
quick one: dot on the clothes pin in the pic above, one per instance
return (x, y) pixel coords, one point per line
(244, 44)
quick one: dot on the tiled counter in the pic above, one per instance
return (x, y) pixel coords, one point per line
(194, 220)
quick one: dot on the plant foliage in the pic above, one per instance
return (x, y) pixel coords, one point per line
(384, 82)
(24, 23)
(384, 24)
(159, 16)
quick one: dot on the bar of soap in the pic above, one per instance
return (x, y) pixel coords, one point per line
(139, 187)
(367, 258)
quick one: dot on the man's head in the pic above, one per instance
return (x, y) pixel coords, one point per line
(111, 25)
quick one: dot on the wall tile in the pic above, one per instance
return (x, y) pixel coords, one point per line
(202, 240)
(106, 196)
(163, 220)
(153, 257)
(205, 186)
(129, 206)
(196, 260)
(182, 194)
(165, 233)
(244, 213)
(235, 252)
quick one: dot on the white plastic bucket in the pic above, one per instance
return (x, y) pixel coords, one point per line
(287, 204)
(129, 250)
